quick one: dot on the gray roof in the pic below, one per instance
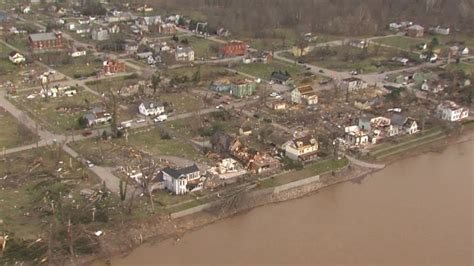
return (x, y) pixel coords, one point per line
(46, 36)
(398, 120)
(181, 173)
(152, 104)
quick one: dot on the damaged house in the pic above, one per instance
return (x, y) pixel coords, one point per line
(303, 148)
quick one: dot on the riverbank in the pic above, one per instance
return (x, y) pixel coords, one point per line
(156, 229)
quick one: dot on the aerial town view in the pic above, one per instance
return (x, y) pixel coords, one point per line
(236, 132)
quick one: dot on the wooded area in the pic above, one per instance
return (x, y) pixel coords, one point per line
(326, 16)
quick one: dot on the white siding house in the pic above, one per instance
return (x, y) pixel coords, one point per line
(450, 111)
(149, 108)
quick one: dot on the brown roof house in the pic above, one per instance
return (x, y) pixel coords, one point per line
(304, 95)
(46, 40)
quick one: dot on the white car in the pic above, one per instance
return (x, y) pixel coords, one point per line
(161, 118)
(220, 106)
(274, 94)
(89, 164)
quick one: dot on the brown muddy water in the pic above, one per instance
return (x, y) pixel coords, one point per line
(418, 211)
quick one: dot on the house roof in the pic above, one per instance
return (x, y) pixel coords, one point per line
(416, 27)
(305, 90)
(398, 120)
(46, 36)
(180, 173)
(280, 76)
(151, 104)
(12, 54)
(304, 141)
(351, 79)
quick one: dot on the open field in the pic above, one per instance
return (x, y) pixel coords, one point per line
(84, 66)
(347, 58)
(13, 133)
(402, 42)
(202, 48)
(57, 114)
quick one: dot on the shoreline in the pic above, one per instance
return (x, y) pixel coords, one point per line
(161, 227)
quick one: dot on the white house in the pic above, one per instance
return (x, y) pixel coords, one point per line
(16, 58)
(183, 180)
(410, 126)
(356, 136)
(439, 30)
(184, 54)
(395, 26)
(303, 148)
(149, 108)
(304, 95)
(450, 111)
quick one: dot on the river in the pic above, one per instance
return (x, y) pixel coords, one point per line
(416, 211)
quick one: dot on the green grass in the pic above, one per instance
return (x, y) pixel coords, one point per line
(313, 169)
(20, 43)
(406, 143)
(347, 58)
(183, 102)
(402, 42)
(468, 68)
(152, 143)
(13, 133)
(202, 47)
(264, 71)
(84, 66)
(45, 110)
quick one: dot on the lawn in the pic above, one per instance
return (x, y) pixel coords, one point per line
(264, 71)
(202, 47)
(402, 42)
(13, 133)
(468, 68)
(153, 143)
(57, 114)
(84, 66)
(183, 102)
(20, 43)
(317, 168)
(346, 58)
(104, 86)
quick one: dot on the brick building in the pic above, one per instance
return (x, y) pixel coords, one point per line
(234, 48)
(47, 40)
(113, 66)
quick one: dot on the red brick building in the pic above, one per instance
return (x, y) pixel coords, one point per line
(113, 66)
(47, 40)
(234, 48)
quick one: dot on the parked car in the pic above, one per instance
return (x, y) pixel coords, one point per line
(161, 118)
(89, 164)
